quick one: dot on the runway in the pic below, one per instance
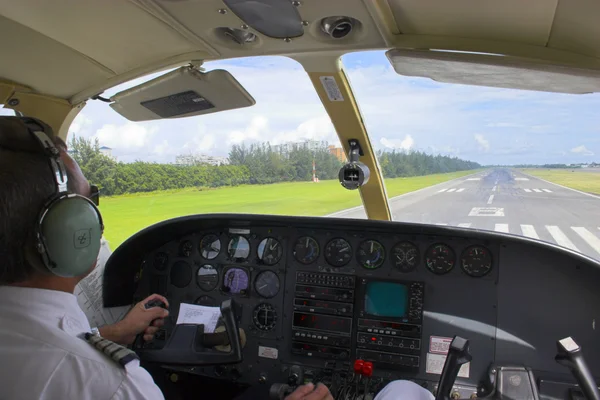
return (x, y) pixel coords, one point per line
(508, 201)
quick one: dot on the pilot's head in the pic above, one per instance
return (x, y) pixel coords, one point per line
(26, 184)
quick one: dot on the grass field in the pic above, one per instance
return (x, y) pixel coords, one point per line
(585, 180)
(126, 215)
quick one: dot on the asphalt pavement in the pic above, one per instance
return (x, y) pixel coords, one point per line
(508, 201)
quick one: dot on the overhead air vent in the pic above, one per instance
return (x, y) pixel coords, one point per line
(337, 27)
(238, 36)
(278, 19)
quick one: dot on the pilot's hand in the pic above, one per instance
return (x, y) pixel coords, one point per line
(138, 320)
(309, 392)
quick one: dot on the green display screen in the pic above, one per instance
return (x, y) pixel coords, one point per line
(386, 299)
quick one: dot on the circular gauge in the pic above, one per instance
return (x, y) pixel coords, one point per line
(476, 261)
(205, 301)
(405, 256)
(207, 277)
(267, 284)
(338, 252)
(210, 246)
(440, 258)
(371, 254)
(270, 251)
(306, 250)
(185, 248)
(235, 281)
(238, 248)
(161, 261)
(264, 317)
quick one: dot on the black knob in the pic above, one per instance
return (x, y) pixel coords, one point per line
(293, 379)
(262, 379)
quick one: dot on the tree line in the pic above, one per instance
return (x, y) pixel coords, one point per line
(254, 164)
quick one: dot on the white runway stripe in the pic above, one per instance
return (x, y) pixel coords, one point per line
(529, 231)
(560, 238)
(491, 199)
(547, 190)
(474, 179)
(441, 224)
(460, 190)
(450, 190)
(501, 228)
(521, 179)
(443, 190)
(588, 236)
(537, 190)
(527, 190)
(494, 189)
(465, 225)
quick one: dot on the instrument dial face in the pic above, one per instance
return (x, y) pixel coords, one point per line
(476, 261)
(207, 277)
(440, 259)
(161, 261)
(270, 251)
(405, 256)
(267, 284)
(185, 248)
(264, 317)
(338, 252)
(371, 254)
(235, 281)
(205, 301)
(210, 246)
(238, 248)
(306, 250)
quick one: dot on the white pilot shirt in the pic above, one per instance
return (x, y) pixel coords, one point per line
(41, 356)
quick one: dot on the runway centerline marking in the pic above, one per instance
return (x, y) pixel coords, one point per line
(451, 190)
(588, 236)
(560, 238)
(490, 199)
(443, 190)
(441, 224)
(529, 231)
(494, 189)
(474, 179)
(527, 190)
(460, 190)
(486, 212)
(547, 190)
(464, 225)
(537, 190)
(521, 179)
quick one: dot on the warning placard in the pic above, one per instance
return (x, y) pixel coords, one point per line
(435, 365)
(331, 88)
(439, 344)
(268, 352)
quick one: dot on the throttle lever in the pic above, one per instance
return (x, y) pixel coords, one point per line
(570, 355)
(458, 354)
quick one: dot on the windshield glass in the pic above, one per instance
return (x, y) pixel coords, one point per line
(512, 161)
(253, 160)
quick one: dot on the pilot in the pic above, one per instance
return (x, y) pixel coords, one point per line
(48, 243)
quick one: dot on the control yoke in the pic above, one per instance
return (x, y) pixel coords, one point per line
(184, 346)
(458, 354)
(570, 355)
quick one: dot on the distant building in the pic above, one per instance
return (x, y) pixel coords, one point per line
(194, 159)
(286, 148)
(338, 152)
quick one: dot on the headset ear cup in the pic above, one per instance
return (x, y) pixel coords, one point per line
(71, 230)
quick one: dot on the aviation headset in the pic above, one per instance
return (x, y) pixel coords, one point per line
(69, 227)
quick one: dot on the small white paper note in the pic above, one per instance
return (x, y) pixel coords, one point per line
(199, 315)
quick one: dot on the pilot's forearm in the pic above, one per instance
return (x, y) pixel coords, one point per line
(113, 333)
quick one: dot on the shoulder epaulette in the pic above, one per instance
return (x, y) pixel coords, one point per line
(116, 352)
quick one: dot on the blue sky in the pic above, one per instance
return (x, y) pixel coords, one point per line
(487, 125)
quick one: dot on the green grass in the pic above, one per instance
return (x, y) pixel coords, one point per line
(126, 215)
(584, 180)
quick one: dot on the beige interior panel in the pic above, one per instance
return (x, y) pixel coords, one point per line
(117, 34)
(577, 27)
(526, 21)
(348, 124)
(43, 64)
(203, 17)
(57, 113)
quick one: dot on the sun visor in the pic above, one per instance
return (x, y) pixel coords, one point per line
(184, 92)
(494, 70)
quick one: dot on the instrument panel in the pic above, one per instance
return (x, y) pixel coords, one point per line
(317, 294)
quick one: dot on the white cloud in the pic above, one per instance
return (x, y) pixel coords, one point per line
(582, 150)
(503, 125)
(402, 144)
(127, 136)
(80, 124)
(483, 143)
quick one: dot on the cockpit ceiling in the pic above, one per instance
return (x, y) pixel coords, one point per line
(76, 48)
